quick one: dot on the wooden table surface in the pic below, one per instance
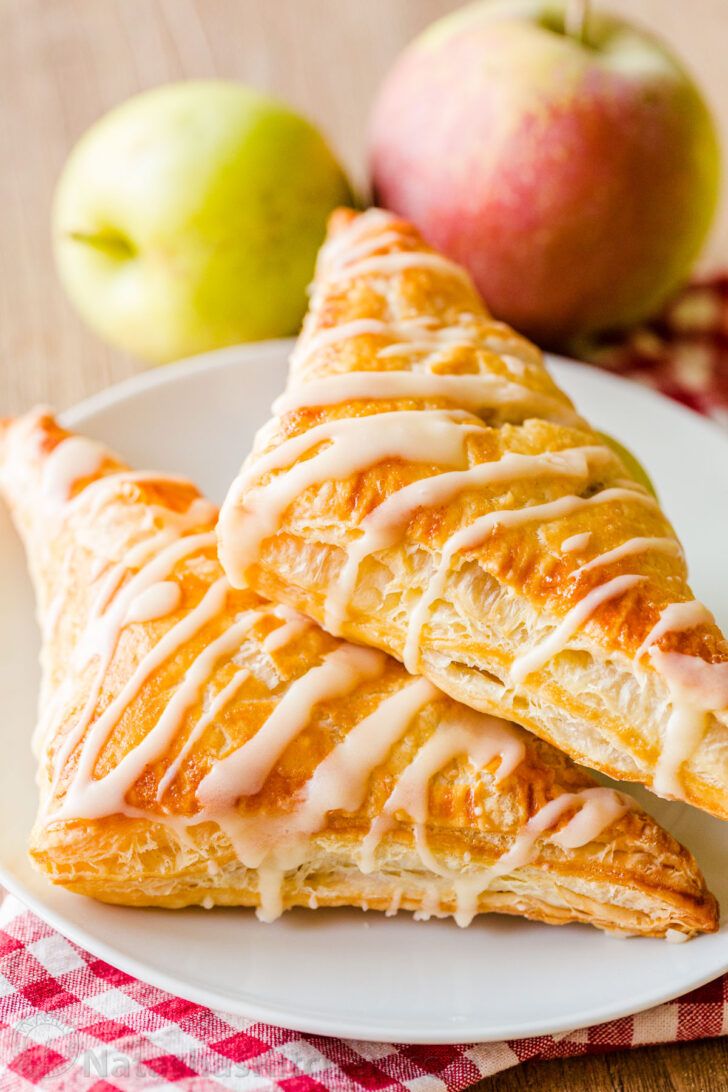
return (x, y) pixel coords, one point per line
(64, 62)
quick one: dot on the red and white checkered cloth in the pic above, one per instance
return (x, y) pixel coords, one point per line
(684, 352)
(71, 1023)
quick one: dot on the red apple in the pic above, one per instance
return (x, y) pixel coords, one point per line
(574, 174)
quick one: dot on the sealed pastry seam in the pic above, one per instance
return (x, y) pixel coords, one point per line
(200, 745)
(424, 487)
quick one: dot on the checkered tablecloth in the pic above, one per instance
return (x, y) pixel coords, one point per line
(69, 1021)
(683, 353)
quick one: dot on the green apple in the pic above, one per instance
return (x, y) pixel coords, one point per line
(631, 462)
(189, 218)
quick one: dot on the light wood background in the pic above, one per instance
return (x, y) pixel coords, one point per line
(64, 62)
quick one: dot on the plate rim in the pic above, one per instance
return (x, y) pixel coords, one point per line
(331, 1026)
(160, 375)
(293, 1017)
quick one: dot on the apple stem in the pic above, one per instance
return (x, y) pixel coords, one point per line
(576, 18)
(113, 244)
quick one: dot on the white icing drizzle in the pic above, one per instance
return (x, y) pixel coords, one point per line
(109, 586)
(98, 567)
(22, 438)
(479, 392)
(384, 264)
(106, 622)
(98, 493)
(102, 631)
(482, 741)
(628, 548)
(690, 683)
(429, 905)
(481, 737)
(110, 611)
(270, 892)
(534, 659)
(70, 461)
(339, 782)
(346, 254)
(676, 618)
(696, 689)
(402, 434)
(575, 543)
(244, 771)
(474, 535)
(294, 624)
(597, 808)
(708, 682)
(631, 483)
(350, 446)
(384, 526)
(306, 348)
(221, 699)
(412, 337)
(370, 221)
(354, 252)
(429, 342)
(394, 903)
(91, 798)
(156, 601)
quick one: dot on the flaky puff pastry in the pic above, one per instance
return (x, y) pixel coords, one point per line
(425, 488)
(198, 745)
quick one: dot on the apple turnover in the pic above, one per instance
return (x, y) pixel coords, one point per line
(425, 488)
(199, 745)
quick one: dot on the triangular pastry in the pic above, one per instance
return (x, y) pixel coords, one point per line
(426, 489)
(198, 745)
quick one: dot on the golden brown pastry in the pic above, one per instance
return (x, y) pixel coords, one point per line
(197, 744)
(426, 489)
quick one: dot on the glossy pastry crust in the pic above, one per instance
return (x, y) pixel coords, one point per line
(575, 564)
(138, 807)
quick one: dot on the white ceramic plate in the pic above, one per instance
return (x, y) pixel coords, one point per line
(344, 972)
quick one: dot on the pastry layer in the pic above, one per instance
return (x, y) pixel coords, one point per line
(425, 488)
